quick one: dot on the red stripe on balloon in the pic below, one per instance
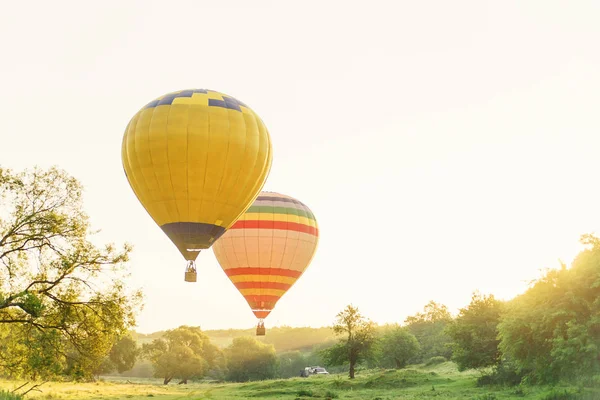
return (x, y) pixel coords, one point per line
(263, 271)
(262, 302)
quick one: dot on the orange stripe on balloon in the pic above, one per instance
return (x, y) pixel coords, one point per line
(262, 285)
(290, 226)
(263, 271)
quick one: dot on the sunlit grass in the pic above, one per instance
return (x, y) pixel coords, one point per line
(441, 381)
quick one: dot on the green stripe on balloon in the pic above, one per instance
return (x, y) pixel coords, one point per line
(281, 210)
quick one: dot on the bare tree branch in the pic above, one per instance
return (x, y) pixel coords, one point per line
(34, 387)
(25, 384)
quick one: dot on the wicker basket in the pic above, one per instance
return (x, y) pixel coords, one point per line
(191, 276)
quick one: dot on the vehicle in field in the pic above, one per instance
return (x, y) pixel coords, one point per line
(313, 371)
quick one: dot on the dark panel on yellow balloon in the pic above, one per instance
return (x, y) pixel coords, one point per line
(190, 236)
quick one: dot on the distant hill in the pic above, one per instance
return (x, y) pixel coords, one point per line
(284, 338)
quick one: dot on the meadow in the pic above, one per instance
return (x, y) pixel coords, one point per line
(442, 381)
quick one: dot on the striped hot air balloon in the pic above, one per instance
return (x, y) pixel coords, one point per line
(267, 250)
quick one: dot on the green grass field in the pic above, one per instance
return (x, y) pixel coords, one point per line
(438, 382)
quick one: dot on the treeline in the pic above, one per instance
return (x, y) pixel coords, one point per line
(548, 334)
(187, 353)
(295, 347)
(552, 331)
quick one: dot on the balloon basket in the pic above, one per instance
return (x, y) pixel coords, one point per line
(191, 276)
(260, 329)
(190, 272)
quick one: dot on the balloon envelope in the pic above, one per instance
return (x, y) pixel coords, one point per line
(196, 159)
(268, 249)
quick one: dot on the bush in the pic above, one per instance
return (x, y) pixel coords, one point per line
(589, 381)
(565, 394)
(503, 374)
(250, 360)
(487, 396)
(561, 395)
(486, 380)
(4, 395)
(436, 360)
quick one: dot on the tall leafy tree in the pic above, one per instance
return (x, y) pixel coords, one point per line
(290, 364)
(183, 353)
(249, 360)
(357, 342)
(398, 347)
(552, 331)
(475, 333)
(429, 329)
(122, 356)
(55, 284)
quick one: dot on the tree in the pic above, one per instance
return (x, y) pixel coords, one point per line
(475, 333)
(290, 364)
(358, 343)
(30, 352)
(398, 346)
(428, 327)
(54, 282)
(552, 331)
(184, 353)
(249, 360)
(122, 356)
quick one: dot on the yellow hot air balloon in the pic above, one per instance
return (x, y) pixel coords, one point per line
(267, 250)
(196, 160)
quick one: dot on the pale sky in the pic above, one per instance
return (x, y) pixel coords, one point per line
(444, 147)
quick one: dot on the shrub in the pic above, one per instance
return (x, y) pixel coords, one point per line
(4, 395)
(331, 395)
(557, 394)
(487, 396)
(503, 374)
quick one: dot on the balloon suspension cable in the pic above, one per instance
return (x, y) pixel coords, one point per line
(191, 266)
(190, 271)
